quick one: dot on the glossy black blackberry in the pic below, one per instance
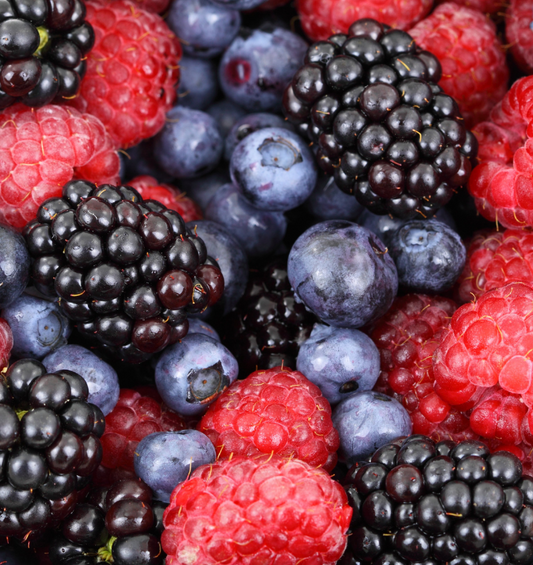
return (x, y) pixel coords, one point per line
(43, 48)
(127, 271)
(379, 122)
(267, 326)
(49, 446)
(120, 525)
(417, 501)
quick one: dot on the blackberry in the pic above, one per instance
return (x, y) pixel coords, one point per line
(370, 103)
(120, 524)
(43, 48)
(127, 270)
(49, 446)
(268, 325)
(426, 502)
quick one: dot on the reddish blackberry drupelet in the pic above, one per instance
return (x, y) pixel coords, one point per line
(43, 47)
(127, 270)
(370, 103)
(417, 501)
(49, 447)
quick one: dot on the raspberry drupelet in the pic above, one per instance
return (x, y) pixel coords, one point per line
(519, 33)
(6, 343)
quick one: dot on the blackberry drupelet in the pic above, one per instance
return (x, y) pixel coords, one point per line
(426, 502)
(268, 325)
(127, 270)
(43, 47)
(120, 524)
(49, 447)
(370, 104)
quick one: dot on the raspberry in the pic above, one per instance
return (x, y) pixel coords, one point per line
(277, 412)
(251, 511)
(482, 362)
(519, 34)
(41, 150)
(484, 6)
(155, 6)
(321, 18)
(131, 71)
(134, 417)
(474, 70)
(501, 184)
(406, 338)
(6, 343)
(494, 259)
(169, 196)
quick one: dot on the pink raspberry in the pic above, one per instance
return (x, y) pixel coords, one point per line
(519, 34)
(483, 6)
(6, 343)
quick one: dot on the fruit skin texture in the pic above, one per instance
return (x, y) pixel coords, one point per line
(43, 149)
(276, 411)
(473, 62)
(6, 343)
(134, 417)
(321, 18)
(241, 510)
(131, 71)
(501, 184)
(519, 34)
(482, 363)
(14, 267)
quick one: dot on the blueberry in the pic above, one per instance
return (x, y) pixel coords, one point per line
(198, 326)
(39, 326)
(14, 266)
(189, 145)
(164, 460)
(139, 160)
(428, 254)
(225, 113)
(258, 231)
(274, 168)
(204, 28)
(239, 4)
(328, 202)
(231, 259)
(101, 378)
(201, 189)
(366, 422)
(191, 374)
(342, 273)
(258, 65)
(340, 361)
(198, 87)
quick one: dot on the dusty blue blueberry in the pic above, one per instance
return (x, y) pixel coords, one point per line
(256, 68)
(232, 260)
(192, 373)
(328, 202)
(428, 254)
(204, 28)
(139, 160)
(340, 361)
(201, 189)
(198, 326)
(198, 87)
(39, 326)
(342, 273)
(274, 168)
(189, 145)
(366, 422)
(101, 378)
(239, 4)
(164, 460)
(14, 266)
(250, 123)
(226, 113)
(258, 231)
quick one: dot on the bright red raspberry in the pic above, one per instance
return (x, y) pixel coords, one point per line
(474, 70)
(253, 511)
(278, 412)
(321, 18)
(132, 70)
(134, 417)
(6, 343)
(502, 183)
(483, 6)
(483, 362)
(155, 6)
(168, 195)
(42, 149)
(519, 34)
(494, 259)
(406, 338)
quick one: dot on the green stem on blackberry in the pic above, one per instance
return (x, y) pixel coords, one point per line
(20, 413)
(105, 552)
(44, 40)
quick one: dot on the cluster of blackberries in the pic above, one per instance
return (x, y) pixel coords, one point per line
(127, 271)
(417, 501)
(43, 48)
(370, 103)
(49, 446)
